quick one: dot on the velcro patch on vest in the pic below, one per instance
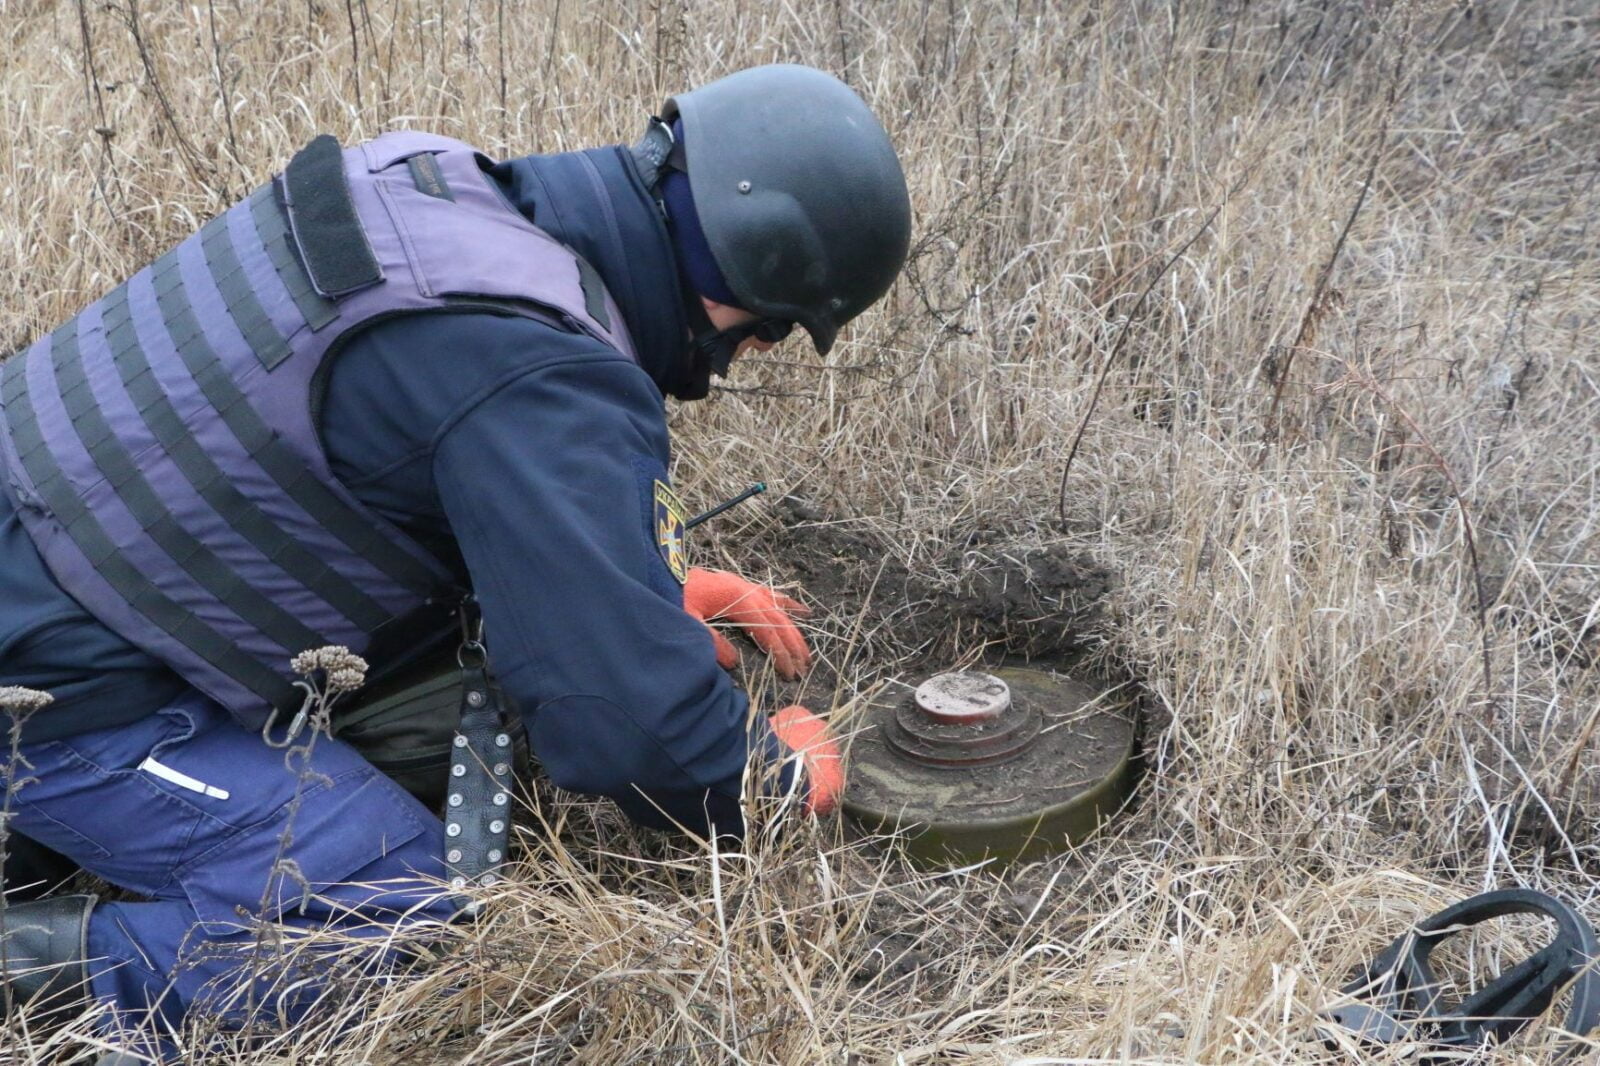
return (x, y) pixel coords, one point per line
(672, 531)
(428, 178)
(326, 228)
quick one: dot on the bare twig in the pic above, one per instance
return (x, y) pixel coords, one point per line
(200, 167)
(96, 101)
(1318, 305)
(1117, 346)
(355, 53)
(223, 91)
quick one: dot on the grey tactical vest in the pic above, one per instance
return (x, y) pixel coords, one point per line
(162, 447)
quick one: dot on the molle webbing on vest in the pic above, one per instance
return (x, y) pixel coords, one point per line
(260, 334)
(120, 470)
(87, 532)
(285, 468)
(165, 455)
(202, 472)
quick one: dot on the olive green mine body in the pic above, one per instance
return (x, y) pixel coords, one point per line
(1075, 772)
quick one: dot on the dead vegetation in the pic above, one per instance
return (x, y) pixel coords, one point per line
(1329, 269)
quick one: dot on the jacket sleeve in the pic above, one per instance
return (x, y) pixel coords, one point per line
(548, 484)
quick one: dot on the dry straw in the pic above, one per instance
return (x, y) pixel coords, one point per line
(1243, 203)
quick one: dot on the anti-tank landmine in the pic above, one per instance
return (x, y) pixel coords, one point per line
(1010, 765)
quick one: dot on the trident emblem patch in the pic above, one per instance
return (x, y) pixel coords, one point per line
(672, 536)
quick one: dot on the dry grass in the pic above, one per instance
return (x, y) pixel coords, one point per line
(1381, 332)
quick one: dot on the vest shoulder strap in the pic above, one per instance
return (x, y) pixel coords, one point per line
(332, 242)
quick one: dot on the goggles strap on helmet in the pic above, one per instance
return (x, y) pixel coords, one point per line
(657, 152)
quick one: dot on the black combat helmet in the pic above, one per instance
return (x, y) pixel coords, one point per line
(799, 192)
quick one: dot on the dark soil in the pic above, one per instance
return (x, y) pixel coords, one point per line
(1033, 601)
(982, 598)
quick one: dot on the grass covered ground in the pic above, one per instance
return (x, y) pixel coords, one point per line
(1307, 295)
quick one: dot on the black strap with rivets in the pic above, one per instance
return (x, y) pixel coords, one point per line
(477, 814)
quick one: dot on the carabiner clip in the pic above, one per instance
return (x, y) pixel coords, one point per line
(297, 724)
(471, 654)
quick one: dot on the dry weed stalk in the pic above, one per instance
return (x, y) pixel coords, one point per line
(1323, 297)
(1116, 349)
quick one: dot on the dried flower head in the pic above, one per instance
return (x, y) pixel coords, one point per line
(19, 700)
(346, 680)
(345, 670)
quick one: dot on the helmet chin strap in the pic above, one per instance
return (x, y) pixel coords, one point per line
(710, 350)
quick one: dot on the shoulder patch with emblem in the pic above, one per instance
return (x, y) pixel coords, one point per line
(672, 535)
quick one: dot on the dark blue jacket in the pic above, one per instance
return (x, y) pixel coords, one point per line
(526, 457)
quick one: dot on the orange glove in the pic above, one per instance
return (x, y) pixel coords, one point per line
(804, 732)
(766, 615)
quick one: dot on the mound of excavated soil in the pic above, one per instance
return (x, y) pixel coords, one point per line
(1033, 602)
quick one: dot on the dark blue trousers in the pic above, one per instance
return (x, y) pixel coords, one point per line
(220, 830)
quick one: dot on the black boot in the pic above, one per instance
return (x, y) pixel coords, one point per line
(44, 954)
(31, 870)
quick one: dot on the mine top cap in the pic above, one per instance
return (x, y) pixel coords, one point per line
(963, 697)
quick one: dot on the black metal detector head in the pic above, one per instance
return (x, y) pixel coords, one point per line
(1398, 997)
